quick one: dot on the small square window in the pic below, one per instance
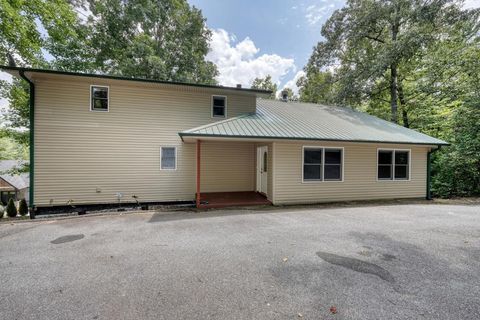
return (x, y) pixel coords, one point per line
(168, 158)
(219, 106)
(99, 98)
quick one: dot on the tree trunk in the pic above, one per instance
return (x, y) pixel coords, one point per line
(393, 92)
(403, 105)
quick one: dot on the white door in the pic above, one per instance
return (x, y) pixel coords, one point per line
(262, 169)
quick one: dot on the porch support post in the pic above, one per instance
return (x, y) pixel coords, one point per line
(197, 195)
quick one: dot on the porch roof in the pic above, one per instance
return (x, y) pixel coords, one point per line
(277, 119)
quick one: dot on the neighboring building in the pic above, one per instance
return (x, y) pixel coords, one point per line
(98, 136)
(13, 184)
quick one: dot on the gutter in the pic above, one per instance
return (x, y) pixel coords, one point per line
(32, 142)
(429, 173)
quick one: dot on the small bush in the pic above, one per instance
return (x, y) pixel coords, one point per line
(2, 211)
(11, 209)
(22, 207)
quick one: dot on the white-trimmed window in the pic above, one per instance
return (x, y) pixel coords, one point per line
(393, 164)
(322, 164)
(99, 96)
(168, 158)
(219, 106)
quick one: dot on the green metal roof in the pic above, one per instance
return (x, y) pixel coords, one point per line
(277, 119)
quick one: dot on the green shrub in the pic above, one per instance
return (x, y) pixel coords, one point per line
(22, 207)
(2, 211)
(11, 209)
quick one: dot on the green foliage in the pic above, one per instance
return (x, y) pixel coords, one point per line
(11, 150)
(20, 35)
(317, 87)
(22, 207)
(11, 209)
(374, 46)
(265, 84)
(164, 40)
(457, 168)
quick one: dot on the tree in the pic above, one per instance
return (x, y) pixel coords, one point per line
(370, 43)
(22, 207)
(317, 87)
(11, 209)
(155, 39)
(20, 23)
(265, 84)
(10, 150)
(457, 168)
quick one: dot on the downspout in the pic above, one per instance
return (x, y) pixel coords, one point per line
(429, 173)
(32, 143)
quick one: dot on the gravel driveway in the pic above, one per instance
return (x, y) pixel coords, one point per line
(409, 261)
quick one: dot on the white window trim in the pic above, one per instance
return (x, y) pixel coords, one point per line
(108, 98)
(176, 158)
(323, 164)
(211, 106)
(393, 165)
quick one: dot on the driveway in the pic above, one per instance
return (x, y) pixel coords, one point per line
(413, 261)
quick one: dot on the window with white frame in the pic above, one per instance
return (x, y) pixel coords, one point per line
(168, 158)
(219, 106)
(393, 164)
(322, 164)
(99, 98)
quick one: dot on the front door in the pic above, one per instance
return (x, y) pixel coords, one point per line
(262, 169)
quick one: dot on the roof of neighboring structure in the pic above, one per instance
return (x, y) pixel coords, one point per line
(19, 181)
(13, 70)
(277, 119)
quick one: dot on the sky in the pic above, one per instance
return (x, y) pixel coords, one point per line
(255, 38)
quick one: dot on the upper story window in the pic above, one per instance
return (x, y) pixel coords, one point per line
(393, 165)
(99, 98)
(322, 164)
(219, 106)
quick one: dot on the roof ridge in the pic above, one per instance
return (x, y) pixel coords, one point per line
(120, 77)
(218, 122)
(352, 110)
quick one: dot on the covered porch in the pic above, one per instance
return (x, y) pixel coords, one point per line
(232, 199)
(231, 173)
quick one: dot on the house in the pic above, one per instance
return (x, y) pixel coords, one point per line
(12, 184)
(102, 139)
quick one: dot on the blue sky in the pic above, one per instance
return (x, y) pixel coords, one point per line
(266, 36)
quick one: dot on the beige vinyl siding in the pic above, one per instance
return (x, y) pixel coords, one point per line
(88, 156)
(360, 175)
(227, 166)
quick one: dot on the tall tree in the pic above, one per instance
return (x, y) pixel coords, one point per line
(155, 39)
(369, 42)
(265, 84)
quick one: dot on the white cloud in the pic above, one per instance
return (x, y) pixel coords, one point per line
(471, 4)
(239, 63)
(316, 13)
(292, 83)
